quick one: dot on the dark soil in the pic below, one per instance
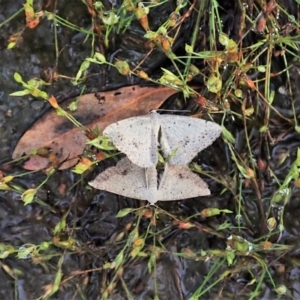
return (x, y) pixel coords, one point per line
(91, 239)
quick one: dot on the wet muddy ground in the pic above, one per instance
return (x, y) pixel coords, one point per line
(180, 260)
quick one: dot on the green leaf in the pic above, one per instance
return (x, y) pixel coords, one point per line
(214, 84)
(142, 254)
(20, 93)
(84, 66)
(11, 45)
(36, 82)
(40, 94)
(224, 225)
(151, 35)
(162, 30)
(103, 143)
(4, 254)
(151, 262)
(161, 159)
(240, 167)
(28, 196)
(227, 211)
(230, 256)
(240, 244)
(172, 154)
(98, 5)
(60, 226)
(297, 129)
(232, 46)
(223, 39)
(123, 67)
(110, 19)
(44, 245)
(4, 186)
(18, 78)
(263, 129)
(26, 251)
(209, 212)
(238, 93)
(57, 281)
(80, 168)
(100, 57)
(119, 259)
(72, 106)
(281, 290)
(228, 135)
(169, 78)
(124, 212)
(261, 69)
(194, 70)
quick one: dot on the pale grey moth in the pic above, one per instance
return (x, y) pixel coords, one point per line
(127, 179)
(181, 138)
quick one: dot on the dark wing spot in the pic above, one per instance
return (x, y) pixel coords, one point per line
(124, 172)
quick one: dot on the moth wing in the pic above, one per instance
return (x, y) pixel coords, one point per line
(124, 179)
(137, 137)
(187, 136)
(179, 182)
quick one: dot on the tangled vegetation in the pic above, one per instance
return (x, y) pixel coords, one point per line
(234, 63)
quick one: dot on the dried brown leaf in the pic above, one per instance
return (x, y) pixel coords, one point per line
(94, 110)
